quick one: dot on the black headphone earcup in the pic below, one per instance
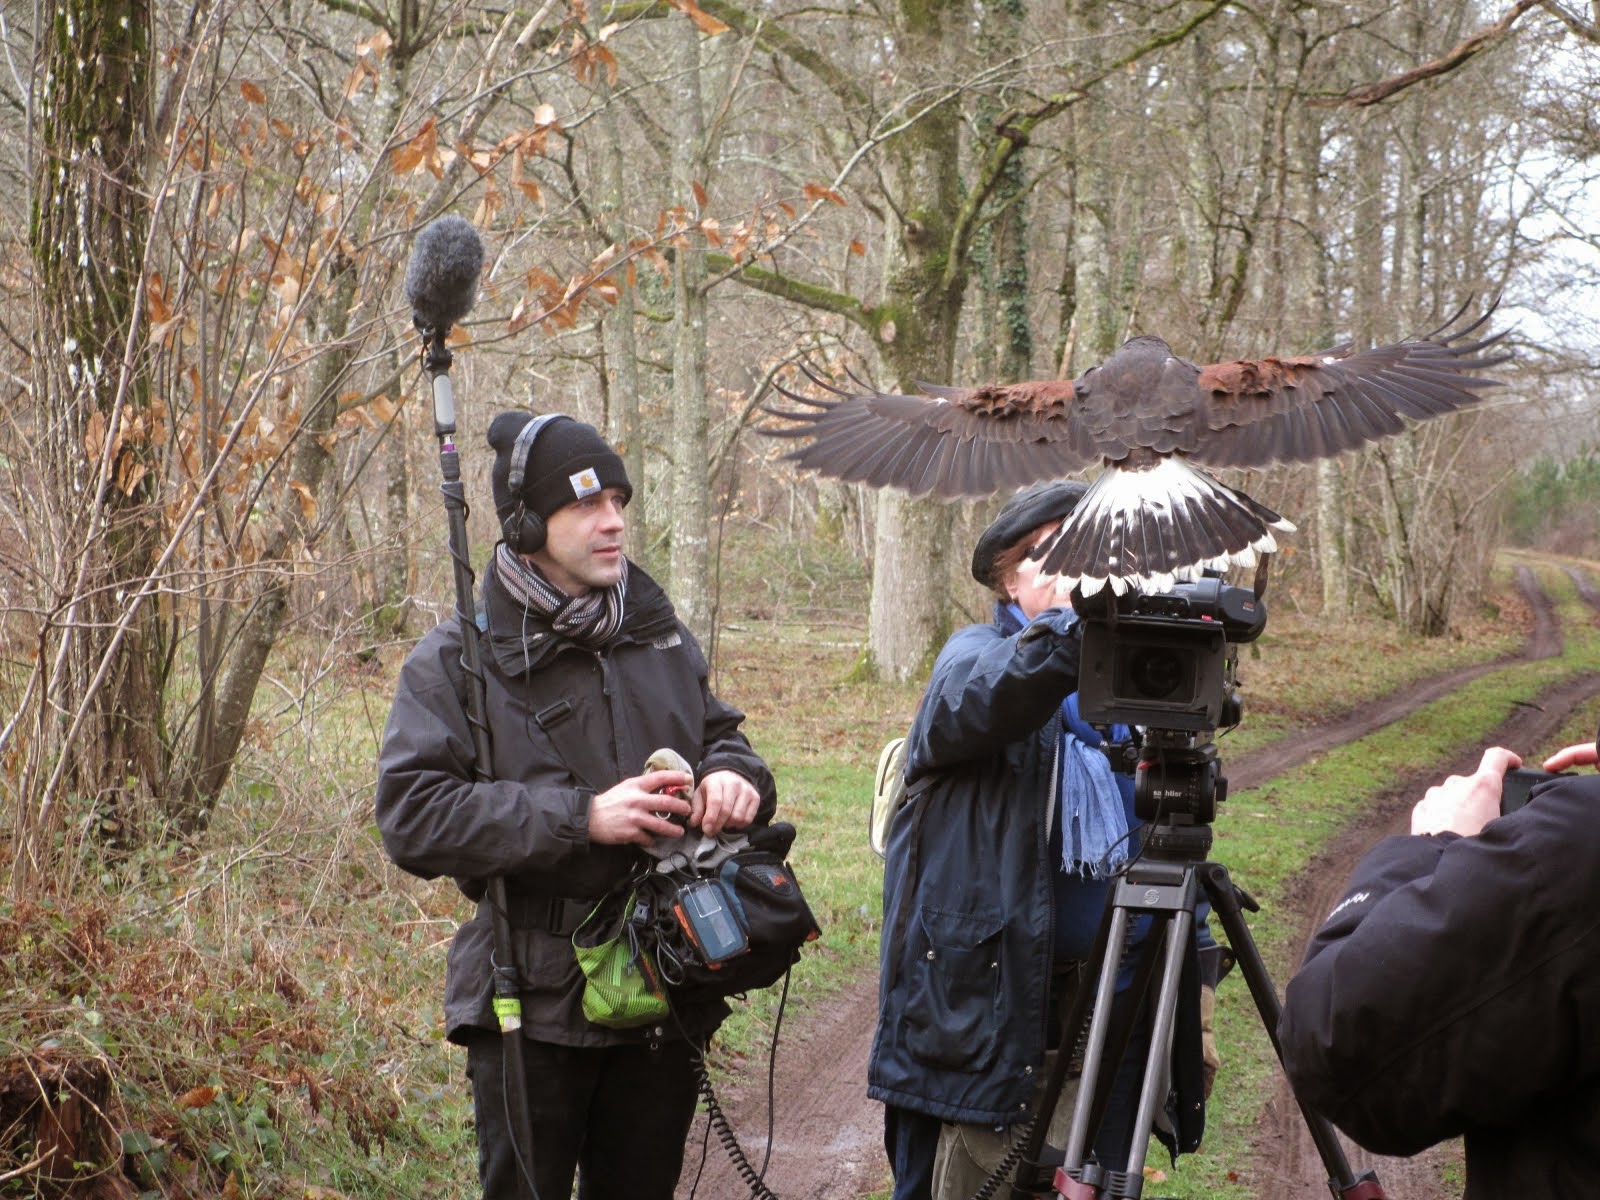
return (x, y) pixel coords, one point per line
(530, 533)
(523, 531)
(511, 530)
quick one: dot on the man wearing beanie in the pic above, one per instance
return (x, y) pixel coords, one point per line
(588, 673)
(996, 876)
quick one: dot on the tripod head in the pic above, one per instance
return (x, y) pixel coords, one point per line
(1179, 779)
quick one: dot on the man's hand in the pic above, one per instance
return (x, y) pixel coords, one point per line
(1582, 755)
(626, 813)
(1464, 804)
(724, 800)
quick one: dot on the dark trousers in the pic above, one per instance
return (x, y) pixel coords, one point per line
(910, 1139)
(617, 1116)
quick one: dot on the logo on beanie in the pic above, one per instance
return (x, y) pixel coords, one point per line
(585, 483)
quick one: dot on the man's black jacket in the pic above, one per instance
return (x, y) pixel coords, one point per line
(549, 702)
(1455, 990)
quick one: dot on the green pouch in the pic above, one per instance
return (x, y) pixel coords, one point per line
(620, 986)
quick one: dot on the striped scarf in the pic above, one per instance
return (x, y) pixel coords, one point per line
(591, 619)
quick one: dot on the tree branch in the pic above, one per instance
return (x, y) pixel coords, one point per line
(1376, 93)
(770, 36)
(767, 35)
(797, 291)
(1589, 31)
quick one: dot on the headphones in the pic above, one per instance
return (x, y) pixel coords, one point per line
(522, 530)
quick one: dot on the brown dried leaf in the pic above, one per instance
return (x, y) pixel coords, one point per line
(308, 502)
(359, 74)
(703, 21)
(156, 299)
(489, 204)
(94, 435)
(197, 1097)
(129, 472)
(376, 47)
(815, 191)
(251, 92)
(420, 153)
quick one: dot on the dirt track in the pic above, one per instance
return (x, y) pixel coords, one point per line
(827, 1134)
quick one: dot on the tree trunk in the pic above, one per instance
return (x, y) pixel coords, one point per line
(191, 798)
(908, 616)
(690, 572)
(1005, 338)
(98, 729)
(1309, 278)
(70, 1107)
(1099, 316)
(623, 387)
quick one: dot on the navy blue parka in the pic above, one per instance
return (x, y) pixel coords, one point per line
(970, 878)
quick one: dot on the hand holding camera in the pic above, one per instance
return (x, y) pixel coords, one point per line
(1464, 804)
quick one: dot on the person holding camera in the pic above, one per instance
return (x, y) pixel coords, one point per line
(1454, 990)
(588, 671)
(997, 872)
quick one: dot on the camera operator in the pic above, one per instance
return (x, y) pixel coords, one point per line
(588, 671)
(1455, 989)
(996, 878)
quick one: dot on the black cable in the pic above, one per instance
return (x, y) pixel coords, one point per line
(717, 1120)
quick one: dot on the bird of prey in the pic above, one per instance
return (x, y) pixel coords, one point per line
(1153, 516)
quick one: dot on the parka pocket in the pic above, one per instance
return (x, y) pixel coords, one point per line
(953, 989)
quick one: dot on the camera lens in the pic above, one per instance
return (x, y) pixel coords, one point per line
(1157, 672)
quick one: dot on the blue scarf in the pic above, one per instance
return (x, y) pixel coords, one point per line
(1094, 817)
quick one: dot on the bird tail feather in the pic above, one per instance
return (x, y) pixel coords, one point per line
(1145, 529)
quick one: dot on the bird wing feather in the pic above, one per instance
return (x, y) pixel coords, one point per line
(1315, 406)
(950, 442)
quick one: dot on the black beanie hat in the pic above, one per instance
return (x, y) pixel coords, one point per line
(1019, 516)
(567, 461)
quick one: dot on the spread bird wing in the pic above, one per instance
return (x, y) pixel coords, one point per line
(950, 441)
(1256, 412)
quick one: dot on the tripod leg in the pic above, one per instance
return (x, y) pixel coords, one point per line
(1157, 1068)
(1168, 892)
(1225, 902)
(1094, 1050)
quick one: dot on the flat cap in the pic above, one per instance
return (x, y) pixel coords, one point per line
(1033, 506)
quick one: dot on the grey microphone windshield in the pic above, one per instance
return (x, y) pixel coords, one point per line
(442, 277)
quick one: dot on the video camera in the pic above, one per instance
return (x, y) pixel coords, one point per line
(1167, 661)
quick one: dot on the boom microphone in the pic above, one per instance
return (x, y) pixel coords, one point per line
(442, 277)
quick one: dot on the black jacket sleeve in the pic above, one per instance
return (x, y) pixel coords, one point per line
(1456, 986)
(435, 815)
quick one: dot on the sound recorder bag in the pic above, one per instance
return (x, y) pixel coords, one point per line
(733, 928)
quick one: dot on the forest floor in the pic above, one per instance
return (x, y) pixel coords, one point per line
(827, 1134)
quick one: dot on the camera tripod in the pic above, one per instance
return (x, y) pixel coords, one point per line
(1166, 881)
